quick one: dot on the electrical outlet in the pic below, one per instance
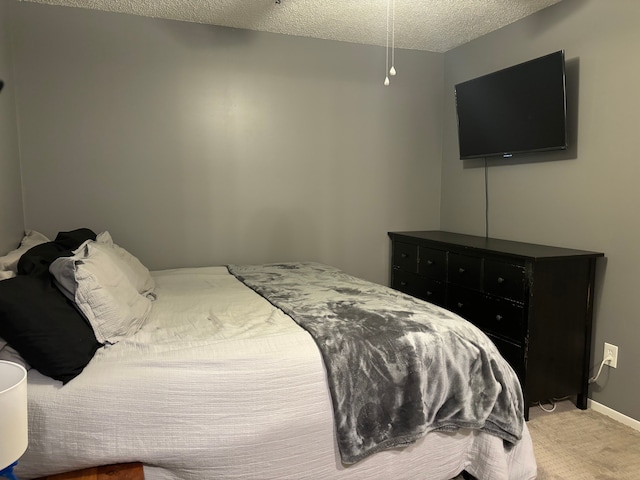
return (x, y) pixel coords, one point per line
(611, 351)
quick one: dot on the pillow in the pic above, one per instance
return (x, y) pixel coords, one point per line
(94, 277)
(45, 328)
(9, 262)
(135, 271)
(35, 262)
(74, 238)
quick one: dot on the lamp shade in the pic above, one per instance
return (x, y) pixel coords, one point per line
(14, 427)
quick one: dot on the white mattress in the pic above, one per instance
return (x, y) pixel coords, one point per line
(218, 384)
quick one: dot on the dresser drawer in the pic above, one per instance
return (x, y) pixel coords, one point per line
(513, 354)
(406, 282)
(405, 257)
(465, 270)
(432, 263)
(469, 304)
(503, 318)
(433, 291)
(505, 280)
(420, 287)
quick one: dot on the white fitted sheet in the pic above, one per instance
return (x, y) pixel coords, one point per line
(219, 384)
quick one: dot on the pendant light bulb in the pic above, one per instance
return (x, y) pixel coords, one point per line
(392, 72)
(386, 81)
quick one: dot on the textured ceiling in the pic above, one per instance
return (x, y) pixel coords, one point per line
(432, 25)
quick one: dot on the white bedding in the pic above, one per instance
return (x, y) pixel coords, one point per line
(219, 384)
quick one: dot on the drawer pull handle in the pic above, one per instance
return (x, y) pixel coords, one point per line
(460, 304)
(498, 317)
(404, 255)
(461, 270)
(500, 280)
(429, 293)
(429, 262)
(403, 284)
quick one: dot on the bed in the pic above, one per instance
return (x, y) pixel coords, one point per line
(274, 372)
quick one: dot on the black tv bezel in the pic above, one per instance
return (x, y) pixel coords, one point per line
(510, 153)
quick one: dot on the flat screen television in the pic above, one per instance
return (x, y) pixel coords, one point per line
(519, 109)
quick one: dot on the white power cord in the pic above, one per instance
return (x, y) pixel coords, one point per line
(606, 359)
(548, 410)
(552, 401)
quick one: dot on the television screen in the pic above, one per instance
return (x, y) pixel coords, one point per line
(515, 110)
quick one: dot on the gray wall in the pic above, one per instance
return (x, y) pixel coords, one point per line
(200, 145)
(11, 215)
(587, 198)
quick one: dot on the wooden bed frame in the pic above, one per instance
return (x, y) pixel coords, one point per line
(121, 471)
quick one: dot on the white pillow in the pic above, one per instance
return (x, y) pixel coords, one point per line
(94, 279)
(135, 271)
(9, 262)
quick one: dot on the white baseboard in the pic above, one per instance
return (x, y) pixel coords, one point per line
(609, 412)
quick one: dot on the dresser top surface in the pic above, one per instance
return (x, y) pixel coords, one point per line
(494, 245)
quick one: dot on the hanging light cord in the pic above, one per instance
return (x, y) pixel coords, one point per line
(392, 72)
(386, 69)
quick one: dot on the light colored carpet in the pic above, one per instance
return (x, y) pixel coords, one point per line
(583, 444)
(573, 444)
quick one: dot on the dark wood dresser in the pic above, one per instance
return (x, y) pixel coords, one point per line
(534, 301)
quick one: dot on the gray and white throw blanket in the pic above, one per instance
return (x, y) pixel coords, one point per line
(398, 367)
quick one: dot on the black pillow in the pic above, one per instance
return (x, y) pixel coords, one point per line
(36, 260)
(37, 319)
(44, 327)
(73, 239)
